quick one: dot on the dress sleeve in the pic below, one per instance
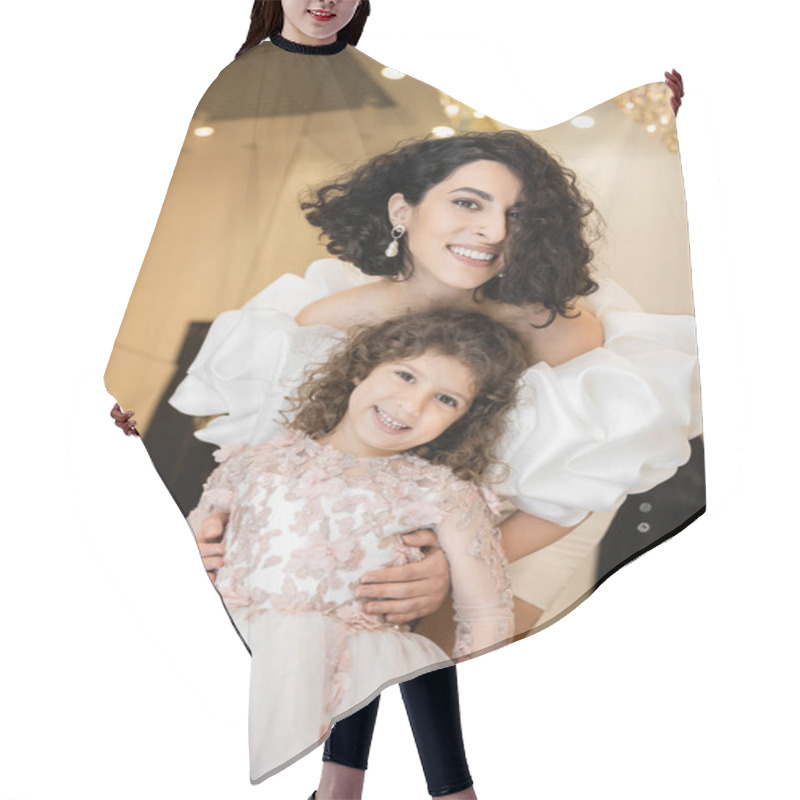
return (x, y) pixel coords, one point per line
(614, 421)
(482, 596)
(251, 360)
(219, 490)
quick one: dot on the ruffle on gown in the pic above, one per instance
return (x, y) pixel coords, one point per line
(613, 421)
(308, 656)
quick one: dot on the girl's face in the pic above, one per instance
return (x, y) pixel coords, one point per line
(458, 230)
(315, 22)
(403, 404)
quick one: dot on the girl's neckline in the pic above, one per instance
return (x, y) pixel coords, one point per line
(308, 49)
(329, 448)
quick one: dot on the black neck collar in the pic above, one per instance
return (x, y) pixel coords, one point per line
(308, 49)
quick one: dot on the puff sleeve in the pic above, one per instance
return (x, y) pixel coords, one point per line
(613, 421)
(251, 360)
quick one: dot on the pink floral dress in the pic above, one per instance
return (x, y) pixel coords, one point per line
(306, 522)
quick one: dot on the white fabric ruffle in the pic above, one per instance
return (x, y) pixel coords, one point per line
(613, 421)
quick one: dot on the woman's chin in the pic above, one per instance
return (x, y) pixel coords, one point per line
(469, 278)
(474, 283)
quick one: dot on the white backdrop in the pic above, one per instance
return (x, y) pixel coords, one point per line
(121, 676)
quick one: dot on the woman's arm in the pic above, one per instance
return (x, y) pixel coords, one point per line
(411, 591)
(524, 534)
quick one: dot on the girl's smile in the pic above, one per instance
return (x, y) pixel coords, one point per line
(387, 423)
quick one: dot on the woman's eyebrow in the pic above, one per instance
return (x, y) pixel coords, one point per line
(483, 195)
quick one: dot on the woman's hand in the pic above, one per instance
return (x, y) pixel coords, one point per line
(675, 82)
(410, 591)
(210, 544)
(124, 420)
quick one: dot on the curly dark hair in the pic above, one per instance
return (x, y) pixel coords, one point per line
(266, 19)
(492, 352)
(547, 255)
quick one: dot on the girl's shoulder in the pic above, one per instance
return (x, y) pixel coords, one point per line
(438, 483)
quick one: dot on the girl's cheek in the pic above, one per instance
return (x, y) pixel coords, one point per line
(446, 419)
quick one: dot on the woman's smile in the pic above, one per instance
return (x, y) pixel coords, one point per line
(473, 255)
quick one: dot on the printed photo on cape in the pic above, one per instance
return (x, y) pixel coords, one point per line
(213, 344)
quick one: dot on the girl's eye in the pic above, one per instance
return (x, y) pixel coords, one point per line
(405, 376)
(514, 213)
(447, 400)
(465, 202)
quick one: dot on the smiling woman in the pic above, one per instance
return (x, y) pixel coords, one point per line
(471, 205)
(457, 232)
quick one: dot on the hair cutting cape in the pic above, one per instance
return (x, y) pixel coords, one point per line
(209, 349)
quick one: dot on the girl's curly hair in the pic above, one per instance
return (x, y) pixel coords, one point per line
(547, 257)
(492, 352)
(266, 19)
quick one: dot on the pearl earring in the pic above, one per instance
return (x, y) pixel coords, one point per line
(393, 248)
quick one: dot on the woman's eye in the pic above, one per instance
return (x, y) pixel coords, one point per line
(447, 400)
(465, 202)
(514, 213)
(405, 376)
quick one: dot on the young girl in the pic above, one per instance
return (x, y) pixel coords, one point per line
(390, 435)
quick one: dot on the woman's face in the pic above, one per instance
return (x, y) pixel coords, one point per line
(315, 22)
(458, 230)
